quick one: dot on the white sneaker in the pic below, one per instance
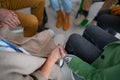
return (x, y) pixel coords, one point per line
(79, 19)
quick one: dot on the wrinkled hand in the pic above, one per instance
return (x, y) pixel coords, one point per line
(11, 20)
(115, 10)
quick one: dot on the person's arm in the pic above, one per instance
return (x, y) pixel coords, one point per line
(50, 62)
(13, 62)
(89, 72)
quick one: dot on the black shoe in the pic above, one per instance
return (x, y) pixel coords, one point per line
(42, 28)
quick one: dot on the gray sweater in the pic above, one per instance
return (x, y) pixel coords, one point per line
(16, 66)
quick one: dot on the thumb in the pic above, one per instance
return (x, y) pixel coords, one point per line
(62, 52)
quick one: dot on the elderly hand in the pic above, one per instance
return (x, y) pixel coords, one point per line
(8, 18)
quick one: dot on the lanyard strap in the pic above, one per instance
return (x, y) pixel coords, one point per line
(12, 46)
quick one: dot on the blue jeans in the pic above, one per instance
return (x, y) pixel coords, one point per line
(89, 46)
(67, 5)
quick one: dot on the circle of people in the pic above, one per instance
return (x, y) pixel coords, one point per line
(38, 54)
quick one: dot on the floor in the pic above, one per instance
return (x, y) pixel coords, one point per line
(67, 74)
(73, 29)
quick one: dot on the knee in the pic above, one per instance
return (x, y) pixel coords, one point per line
(40, 1)
(73, 36)
(73, 39)
(89, 28)
(103, 18)
(33, 23)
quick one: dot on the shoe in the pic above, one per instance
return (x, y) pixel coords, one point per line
(42, 28)
(84, 23)
(79, 19)
(66, 22)
(93, 22)
(60, 19)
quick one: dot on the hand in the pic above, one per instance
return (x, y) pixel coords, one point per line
(62, 52)
(11, 20)
(55, 54)
(50, 62)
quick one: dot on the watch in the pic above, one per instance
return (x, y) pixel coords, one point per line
(68, 58)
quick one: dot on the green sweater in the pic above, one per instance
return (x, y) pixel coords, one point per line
(106, 67)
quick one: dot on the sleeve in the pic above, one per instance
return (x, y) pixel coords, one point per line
(89, 72)
(15, 65)
(34, 76)
(38, 76)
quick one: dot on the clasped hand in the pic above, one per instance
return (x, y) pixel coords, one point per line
(57, 53)
(8, 18)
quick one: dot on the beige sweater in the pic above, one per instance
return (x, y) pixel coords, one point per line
(16, 66)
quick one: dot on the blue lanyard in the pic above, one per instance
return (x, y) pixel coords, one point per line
(10, 45)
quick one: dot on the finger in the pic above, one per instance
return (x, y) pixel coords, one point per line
(10, 24)
(17, 20)
(62, 52)
(5, 25)
(8, 20)
(12, 12)
(14, 21)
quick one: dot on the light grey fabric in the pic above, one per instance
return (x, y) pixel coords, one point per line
(14, 65)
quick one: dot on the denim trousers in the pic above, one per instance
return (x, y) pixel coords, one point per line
(89, 46)
(108, 22)
(66, 4)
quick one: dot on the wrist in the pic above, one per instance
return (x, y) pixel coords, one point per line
(68, 58)
(51, 59)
